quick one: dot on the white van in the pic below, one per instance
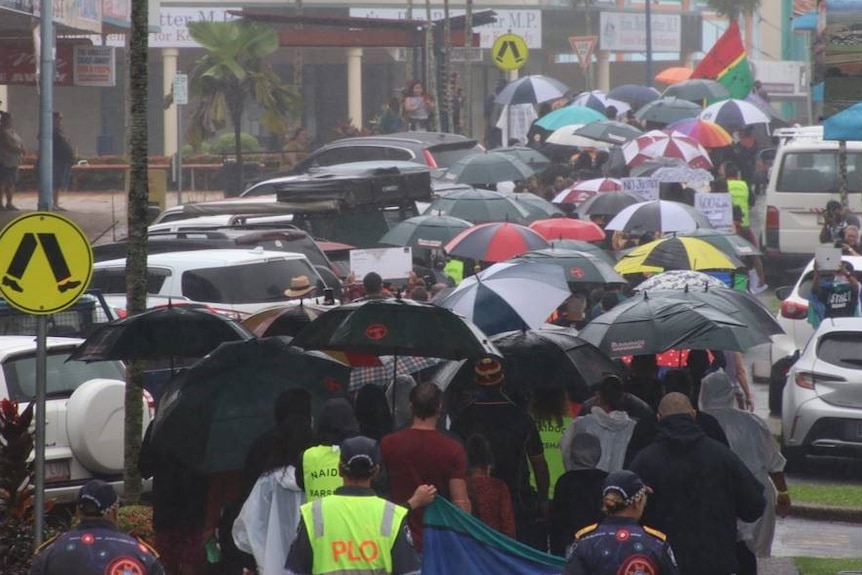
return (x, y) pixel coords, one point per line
(804, 177)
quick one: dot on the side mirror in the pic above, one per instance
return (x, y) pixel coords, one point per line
(783, 292)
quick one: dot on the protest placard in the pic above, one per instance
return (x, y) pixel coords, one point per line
(647, 188)
(390, 263)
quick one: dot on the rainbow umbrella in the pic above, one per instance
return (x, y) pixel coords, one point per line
(708, 134)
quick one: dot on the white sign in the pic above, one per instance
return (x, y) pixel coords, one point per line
(174, 25)
(181, 89)
(524, 23)
(626, 32)
(94, 66)
(390, 263)
(781, 78)
(718, 209)
(647, 188)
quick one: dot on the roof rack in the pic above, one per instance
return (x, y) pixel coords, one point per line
(797, 132)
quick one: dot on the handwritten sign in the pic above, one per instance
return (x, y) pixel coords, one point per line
(390, 263)
(647, 188)
(718, 209)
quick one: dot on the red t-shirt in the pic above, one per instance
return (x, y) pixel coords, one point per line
(492, 503)
(415, 457)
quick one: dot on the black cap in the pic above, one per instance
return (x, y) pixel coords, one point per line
(360, 454)
(96, 495)
(627, 484)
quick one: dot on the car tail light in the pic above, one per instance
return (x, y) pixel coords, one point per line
(773, 224)
(807, 379)
(121, 312)
(794, 310)
(151, 403)
(429, 159)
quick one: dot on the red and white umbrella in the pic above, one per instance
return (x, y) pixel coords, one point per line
(584, 190)
(633, 147)
(675, 145)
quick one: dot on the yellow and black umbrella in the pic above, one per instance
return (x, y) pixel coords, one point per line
(676, 254)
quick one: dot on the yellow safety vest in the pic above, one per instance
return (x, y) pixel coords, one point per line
(352, 535)
(739, 197)
(551, 434)
(320, 474)
(455, 270)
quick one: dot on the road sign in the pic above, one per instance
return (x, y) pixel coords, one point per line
(583, 47)
(181, 89)
(509, 52)
(46, 263)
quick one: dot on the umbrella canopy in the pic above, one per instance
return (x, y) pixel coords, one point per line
(674, 75)
(845, 125)
(567, 116)
(640, 142)
(658, 216)
(676, 254)
(566, 136)
(609, 131)
(579, 267)
(430, 232)
(396, 327)
(599, 101)
(679, 280)
(533, 89)
(568, 229)
(174, 331)
(608, 204)
(668, 110)
(478, 206)
(495, 242)
(582, 191)
(537, 207)
(728, 242)
(670, 170)
(389, 366)
(734, 114)
(680, 147)
(697, 90)
(645, 324)
(489, 168)
(635, 95)
(707, 134)
(529, 156)
(282, 320)
(586, 247)
(511, 295)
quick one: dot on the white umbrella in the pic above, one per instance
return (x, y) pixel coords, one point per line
(599, 101)
(566, 136)
(679, 279)
(658, 216)
(734, 114)
(531, 90)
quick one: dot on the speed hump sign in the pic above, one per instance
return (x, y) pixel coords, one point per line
(46, 263)
(509, 52)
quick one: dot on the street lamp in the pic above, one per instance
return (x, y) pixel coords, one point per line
(648, 39)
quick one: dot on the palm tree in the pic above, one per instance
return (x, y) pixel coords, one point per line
(232, 73)
(733, 9)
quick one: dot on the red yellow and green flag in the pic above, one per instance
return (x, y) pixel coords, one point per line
(727, 63)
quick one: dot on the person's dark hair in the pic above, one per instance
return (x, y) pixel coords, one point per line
(730, 170)
(609, 301)
(336, 423)
(479, 452)
(718, 186)
(833, 205)
(737, 213)
(610, 391)
(292, 402)
(425, 400)
(372, 412)
(611, 112)
(419, 293)
(677, 380)
(548, 404)
(373, 283)
(291, 437)
(596, 296)
(644, 363)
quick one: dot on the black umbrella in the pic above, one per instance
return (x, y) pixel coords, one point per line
(609, 131)
(697, 90)
(635, 95)
(175, 331)
(579, 267)
(531, 90)
(608, 203)
(533, 158)
(668, 110)
(211, 414)
(581, 246)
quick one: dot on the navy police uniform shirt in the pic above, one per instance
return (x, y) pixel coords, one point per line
(96, 547)
(620, 546)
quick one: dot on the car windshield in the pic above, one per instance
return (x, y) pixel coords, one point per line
(804, 290)
(62, 378)
(841, 349)
(247, 283)
(817, 172)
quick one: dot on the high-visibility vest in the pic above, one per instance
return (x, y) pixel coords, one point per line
(455, 270)
(738, 191)
(352, 534)
(320, 474)
(550, 433)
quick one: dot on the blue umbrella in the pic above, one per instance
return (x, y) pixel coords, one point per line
(568, 116)
(845, 125)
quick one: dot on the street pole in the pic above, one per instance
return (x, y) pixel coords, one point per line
(39, 442)
(46, 107)
(648, 39)
(179, 154)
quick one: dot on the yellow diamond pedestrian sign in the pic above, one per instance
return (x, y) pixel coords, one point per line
(46, 263)
(509, 52)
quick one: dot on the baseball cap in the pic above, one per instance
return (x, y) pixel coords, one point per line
(627, 484)
(97, 495)
(488, 371)
(360, 454)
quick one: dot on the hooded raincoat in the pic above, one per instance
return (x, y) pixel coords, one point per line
(613, 428)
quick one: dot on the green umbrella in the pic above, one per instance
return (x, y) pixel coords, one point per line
(538, 208)
(529, 156)
(579, 267)
(728, 242)
(479, 206)
(667, 110)
(429, 232)
(489, 168)
(569, 116)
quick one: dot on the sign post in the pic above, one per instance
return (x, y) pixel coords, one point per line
(583, 47)
(181, 98)
(510, 52)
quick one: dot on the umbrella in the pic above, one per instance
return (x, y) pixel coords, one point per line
(489, 168)
(171, 332)
(635, 95)
(599, 101)
(478, 206)
(707, 134)
(567, 116)
(676, 254)
(537, 207)
(609, 131)
(494, 242)
(586, 247)
(682, 148)
(430, 232)
(845, 125)
(210, 415)
(728, 242)
(645, 324)
(533, 89)
(529, 156)
(566, 136)
(390, 365)
(395, 327)
(640, 142)
(668, 110)
(674, 75)
(608, 204)
(511, 295)
(585, 189)
(670, 170)
(579, 267)
(679, 280)
(282, 320)
(568, 229)
(658, 216)
(697, 90)
(734, 114)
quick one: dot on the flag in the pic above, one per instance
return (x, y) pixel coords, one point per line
(727, 63)
(455, 543)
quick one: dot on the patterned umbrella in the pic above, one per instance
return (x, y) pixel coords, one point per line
(668, 110)
(599, 101)
(585, 189)
(734, 114)
(568, 229)
(674, 75)
(635, 95)
(708, 134)
(478, 206)
(697, 90)
(658, 216)
(609, 131)
(495, 242)
(640, 142)
(679, 279)
(608, 204)
(567, 116)
(635, 153)
(671, 170)
(687, 150)
(531, 90)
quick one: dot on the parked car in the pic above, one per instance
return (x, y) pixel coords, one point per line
(84, 412)
(822, 404)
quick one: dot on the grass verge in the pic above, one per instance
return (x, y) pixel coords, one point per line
(826, 494)
(816, 566)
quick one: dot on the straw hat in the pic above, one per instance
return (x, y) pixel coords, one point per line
(299, 286)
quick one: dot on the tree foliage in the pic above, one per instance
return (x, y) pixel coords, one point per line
(733, 9)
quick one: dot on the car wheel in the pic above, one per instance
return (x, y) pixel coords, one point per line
(777, 380)
(796, 458)
(95, 423)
